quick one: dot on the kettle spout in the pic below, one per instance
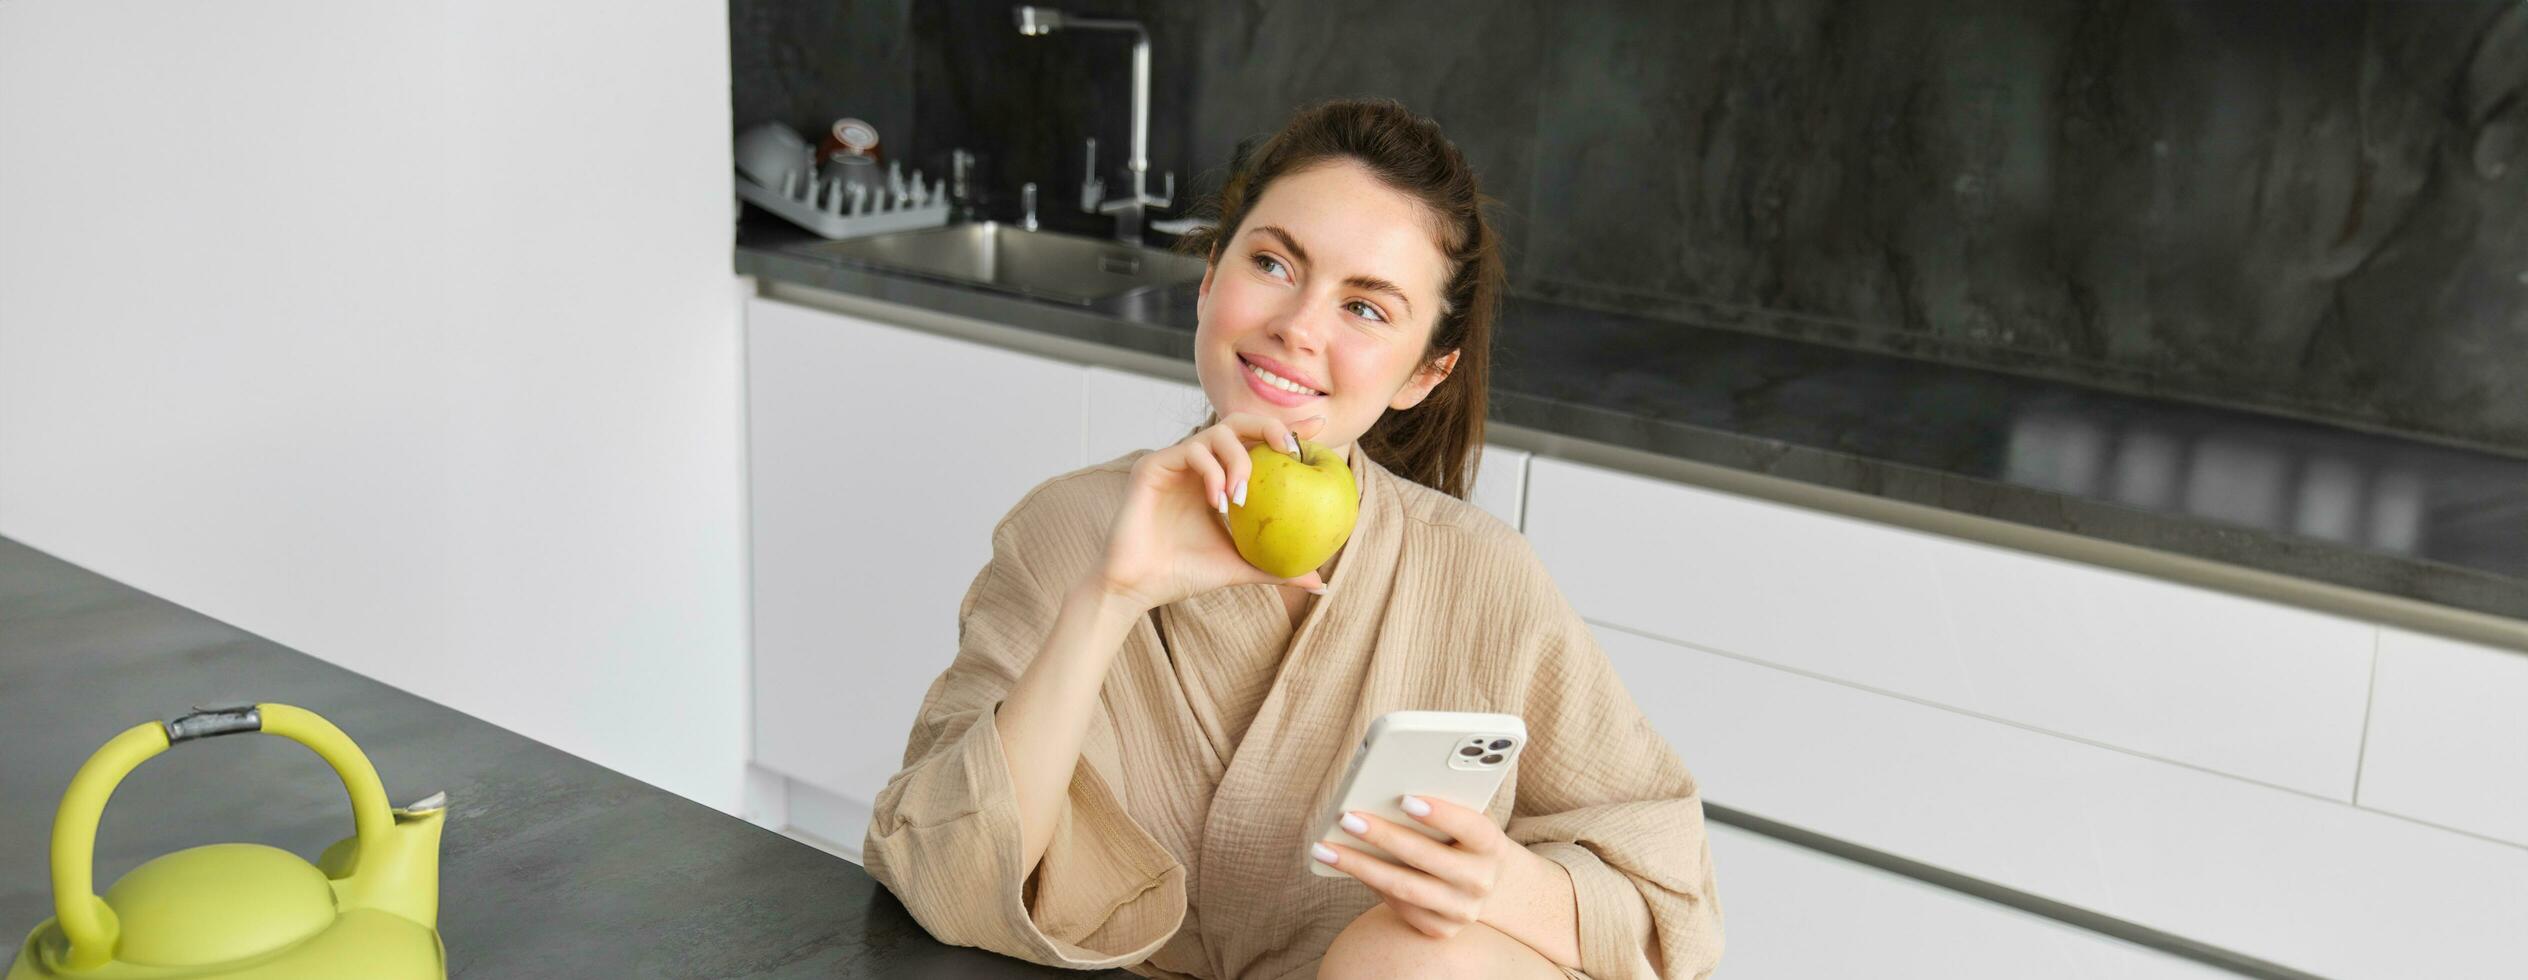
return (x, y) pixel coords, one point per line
(403, 879)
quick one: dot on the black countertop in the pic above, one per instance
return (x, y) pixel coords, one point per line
(551, 866)
(2372, 511)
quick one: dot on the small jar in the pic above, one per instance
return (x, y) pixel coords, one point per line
(850, 137)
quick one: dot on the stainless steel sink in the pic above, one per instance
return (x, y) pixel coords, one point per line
(1043, 264)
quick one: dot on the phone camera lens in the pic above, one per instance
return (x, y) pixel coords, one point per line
(1500, 743)
(1492, 760)
(1471, 750)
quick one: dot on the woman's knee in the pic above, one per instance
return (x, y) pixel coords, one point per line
(1381, 944)
(1378, 944)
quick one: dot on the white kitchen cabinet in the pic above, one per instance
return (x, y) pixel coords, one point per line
(2313, 884)
(1501, 483)
(2449, 735)
(2266, 692)
(1128, 411)
(880, 459)
(1799, 914)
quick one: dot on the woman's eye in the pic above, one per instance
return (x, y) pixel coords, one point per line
(1366, 310)
(1268, 265)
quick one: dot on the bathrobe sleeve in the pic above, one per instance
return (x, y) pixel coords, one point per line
(1603, 795)
(943, 835)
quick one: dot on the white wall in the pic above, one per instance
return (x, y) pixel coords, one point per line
(400, 333)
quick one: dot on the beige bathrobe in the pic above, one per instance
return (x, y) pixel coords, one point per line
(1221, 732)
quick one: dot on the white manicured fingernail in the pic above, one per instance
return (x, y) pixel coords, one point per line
(1294, 440)
(1319, 590)
(1415, 806)
(1219, 503)
(1322, 852)
(1353, 822)
(1241, 493)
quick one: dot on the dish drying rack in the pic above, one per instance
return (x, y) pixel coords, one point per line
(833, 209)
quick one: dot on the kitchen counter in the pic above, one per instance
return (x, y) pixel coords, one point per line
(2372, 513)
(551, 866)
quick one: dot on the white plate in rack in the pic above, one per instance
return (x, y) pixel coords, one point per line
(894, 213)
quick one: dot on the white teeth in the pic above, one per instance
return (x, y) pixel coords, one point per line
(1280, 382)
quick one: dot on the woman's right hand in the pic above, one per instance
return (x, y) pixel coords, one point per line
(1171, 539)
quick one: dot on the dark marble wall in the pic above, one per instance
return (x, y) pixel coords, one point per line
(808, 64)
(2319, 208)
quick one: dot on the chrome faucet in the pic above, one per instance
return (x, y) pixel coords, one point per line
(1039, 21)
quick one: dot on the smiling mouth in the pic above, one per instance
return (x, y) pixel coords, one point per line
(1275, 381)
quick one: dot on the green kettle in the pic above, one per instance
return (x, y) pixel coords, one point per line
(368, 907)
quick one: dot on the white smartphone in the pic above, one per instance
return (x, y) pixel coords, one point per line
(1458, 756)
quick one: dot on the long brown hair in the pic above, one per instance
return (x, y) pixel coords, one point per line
(1433, 443)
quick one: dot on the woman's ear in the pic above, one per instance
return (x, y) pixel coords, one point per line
(1424, 380)
(1202, 293)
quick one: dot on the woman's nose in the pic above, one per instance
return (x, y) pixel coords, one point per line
(1301, 329)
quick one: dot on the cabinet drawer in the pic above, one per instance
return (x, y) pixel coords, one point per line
(2313, 884)
(2449, 735)
(1797, 914)
(2258, 690)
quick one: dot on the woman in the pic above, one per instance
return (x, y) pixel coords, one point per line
(1122, 765)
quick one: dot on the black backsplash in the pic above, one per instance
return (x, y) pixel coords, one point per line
(2316, 208)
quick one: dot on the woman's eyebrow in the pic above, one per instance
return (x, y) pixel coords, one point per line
(1371, 283)
(1377, 285)
(1288, 242)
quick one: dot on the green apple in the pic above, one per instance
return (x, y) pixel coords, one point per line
(1297, 514)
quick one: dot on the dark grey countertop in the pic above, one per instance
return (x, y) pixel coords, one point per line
(551, 866)
(2370, 511)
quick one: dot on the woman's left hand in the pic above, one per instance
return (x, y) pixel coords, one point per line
(1437, 888)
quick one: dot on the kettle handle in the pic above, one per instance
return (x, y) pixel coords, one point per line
(86, 921)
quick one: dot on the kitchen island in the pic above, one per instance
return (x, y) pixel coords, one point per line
(551, 866)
